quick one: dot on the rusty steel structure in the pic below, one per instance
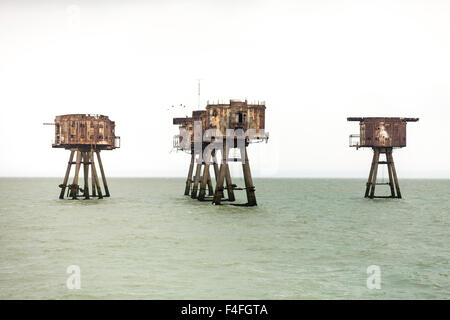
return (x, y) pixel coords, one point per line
(382, 135)
(220, 128)
(84, 135)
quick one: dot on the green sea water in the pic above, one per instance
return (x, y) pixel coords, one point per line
(306, 239)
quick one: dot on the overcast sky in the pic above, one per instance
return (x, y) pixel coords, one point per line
(314, 63)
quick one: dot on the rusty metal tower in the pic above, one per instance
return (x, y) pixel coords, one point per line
(84, 135)
(382, 135)
(220, 128)
(190, 141)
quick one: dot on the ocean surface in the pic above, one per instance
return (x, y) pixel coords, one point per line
(306, 239)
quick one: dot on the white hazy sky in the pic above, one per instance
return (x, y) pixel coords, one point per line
(314, 62)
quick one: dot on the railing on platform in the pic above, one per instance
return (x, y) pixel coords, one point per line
(117, 142)
(177, 141)
(355, 140)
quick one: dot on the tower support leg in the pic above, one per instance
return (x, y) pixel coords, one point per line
(66, 177)
(100, 165)
(94, 189)
(394, 173)
(210, 185)
(218, 192)
(369, 181)
(216, 168)
(95, 176)
(189, 177)
(374, 174)
(229, 183)
(75, 186)
(391, 179)
(196, 179)
(205, 179)
(249, 187)
(86, 174)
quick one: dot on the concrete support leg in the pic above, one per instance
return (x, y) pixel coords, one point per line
(216, 168)
(374, 175)
(189, 177)
(391, 179)
(94, 192)
(394, 173)
(86, 174)
(218, 193)
(220, 179)
(95, 176)
(66, 177)
(196, 179)
(75, 187)
(229, 183)
(205, 180)
(210, 185)
(100, 165)
(228, 180)
(369, 181)
(249, 187)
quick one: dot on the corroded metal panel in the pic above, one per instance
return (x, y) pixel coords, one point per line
(383, 131)
(79, 130)
(236, 115)
(220, 117)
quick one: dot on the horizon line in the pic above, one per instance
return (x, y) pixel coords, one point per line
(260, 177)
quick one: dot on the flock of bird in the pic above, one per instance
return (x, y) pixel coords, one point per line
(181, 105)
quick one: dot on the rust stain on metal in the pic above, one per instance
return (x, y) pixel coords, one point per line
(85, 135)
(382, 134)
(85, 130)
(218, 118)
(236, 115)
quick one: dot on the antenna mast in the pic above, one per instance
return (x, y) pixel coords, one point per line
(198, 93)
